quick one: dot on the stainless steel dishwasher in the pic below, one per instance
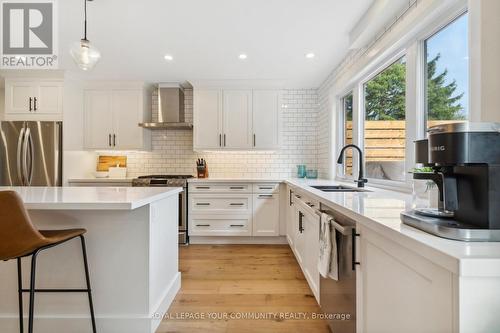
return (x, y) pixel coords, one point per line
(338, 298)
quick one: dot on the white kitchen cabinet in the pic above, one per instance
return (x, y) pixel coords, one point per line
(266, 122)
(112, 117)
(234, 209)
(127, 114)
(236, 119)
(98, 119)
(311, 251)
(303, 237)
(220, 225)
(398, 288)
(266, 215)
(33, 99)
(207, 119)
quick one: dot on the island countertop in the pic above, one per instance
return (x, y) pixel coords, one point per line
(91, 198)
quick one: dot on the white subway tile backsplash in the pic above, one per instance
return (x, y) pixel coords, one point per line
(172, 150)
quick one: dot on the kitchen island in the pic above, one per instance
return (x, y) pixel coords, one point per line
(132, 248)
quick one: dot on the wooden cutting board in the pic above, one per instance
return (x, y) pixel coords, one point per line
(104, 162)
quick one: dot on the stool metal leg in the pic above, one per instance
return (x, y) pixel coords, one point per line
(20, 292)
(32, 292)
(87, 277)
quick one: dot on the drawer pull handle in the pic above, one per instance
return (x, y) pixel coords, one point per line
(309, 204)
(236, 187)
(202, 204)
(298, 196)
(265, 196)
(236, 204)
(203, 187)
(203, 225)
(237, 225)
(265, 188)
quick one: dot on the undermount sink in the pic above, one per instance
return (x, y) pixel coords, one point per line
(338, 188)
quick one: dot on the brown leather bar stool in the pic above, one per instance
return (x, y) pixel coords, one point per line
(19, 238)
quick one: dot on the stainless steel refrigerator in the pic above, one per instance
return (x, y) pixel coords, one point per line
(31, 153)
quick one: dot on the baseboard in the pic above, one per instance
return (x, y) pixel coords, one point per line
(167, 300)
(127, 323)
(237, 240)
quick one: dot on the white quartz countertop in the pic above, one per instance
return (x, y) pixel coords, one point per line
(380, 210)
(91, 198)
(234, 180)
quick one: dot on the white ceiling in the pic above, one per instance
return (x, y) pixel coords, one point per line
(205, 38)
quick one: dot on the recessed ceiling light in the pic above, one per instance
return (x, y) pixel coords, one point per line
(168, 57)
(243, 56)
(310, 55)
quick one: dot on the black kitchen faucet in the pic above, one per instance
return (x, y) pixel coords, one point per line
(361, 180)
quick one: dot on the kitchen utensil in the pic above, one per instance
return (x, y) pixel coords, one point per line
(201, 168)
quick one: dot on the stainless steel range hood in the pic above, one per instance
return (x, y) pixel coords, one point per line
(171, 112)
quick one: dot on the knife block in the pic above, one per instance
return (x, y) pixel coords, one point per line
(202, 171)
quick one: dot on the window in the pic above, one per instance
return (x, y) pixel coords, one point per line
(447, 69)
(384, 124)
(347, 106)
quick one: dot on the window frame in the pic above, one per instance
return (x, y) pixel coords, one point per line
(342, 133)
(414, 51)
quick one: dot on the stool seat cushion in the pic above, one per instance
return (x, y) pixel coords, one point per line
(18, 235)
(59, 236)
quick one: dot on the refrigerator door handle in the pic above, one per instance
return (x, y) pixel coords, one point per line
(20, 173)
(27, 139)
(29, 151)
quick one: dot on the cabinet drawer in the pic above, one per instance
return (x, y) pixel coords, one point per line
(221, 225)
(220, 188)
(266, 188)
(206, 203)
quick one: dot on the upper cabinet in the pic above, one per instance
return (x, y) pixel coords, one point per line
(112, 117)
(33, 99)
(207, 119)
(236, 119)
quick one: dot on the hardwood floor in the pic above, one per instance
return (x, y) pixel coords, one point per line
(225, 282)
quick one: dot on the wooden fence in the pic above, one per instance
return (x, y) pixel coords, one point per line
(384, 140)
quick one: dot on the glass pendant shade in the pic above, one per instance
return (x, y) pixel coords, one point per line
(85, 55)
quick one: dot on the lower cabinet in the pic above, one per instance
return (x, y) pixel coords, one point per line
(266, 217)
(221, 225)
(239, 209)
(399, 290)
(303, 237)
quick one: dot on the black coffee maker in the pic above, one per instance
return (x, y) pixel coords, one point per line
(465, 159)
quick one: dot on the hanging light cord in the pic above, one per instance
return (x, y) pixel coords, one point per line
(85, 19)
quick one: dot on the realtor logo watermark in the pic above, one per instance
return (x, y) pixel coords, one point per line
(29, 36)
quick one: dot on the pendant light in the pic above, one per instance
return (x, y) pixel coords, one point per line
(84, 54)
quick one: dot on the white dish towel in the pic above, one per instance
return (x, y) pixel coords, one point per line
(328, 256)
